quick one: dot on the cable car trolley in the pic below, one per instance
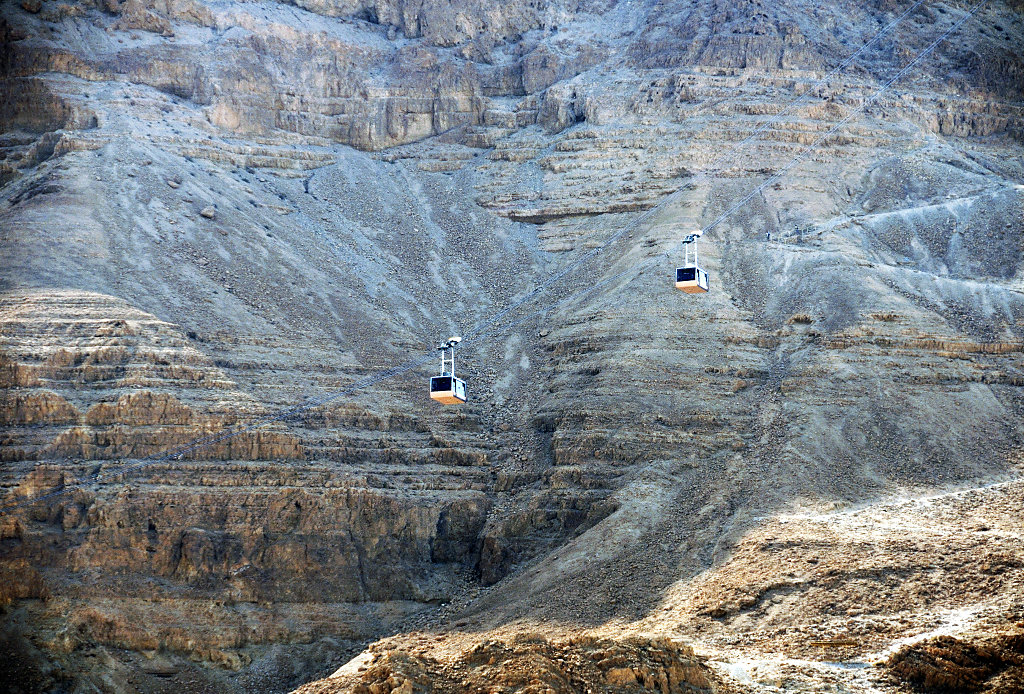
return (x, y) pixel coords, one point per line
(691, 277)
(445, 388)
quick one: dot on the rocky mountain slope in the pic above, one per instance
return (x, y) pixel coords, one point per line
(212, 211)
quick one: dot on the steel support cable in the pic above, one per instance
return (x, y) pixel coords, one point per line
(733, 149)
(842, 66)
(776, 176)
(832, 131)
(478, 332)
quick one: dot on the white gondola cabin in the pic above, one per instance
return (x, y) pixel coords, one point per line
(446, 388)
(691, 277)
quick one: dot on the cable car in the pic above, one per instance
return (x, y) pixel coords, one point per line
(445, 388)
(691, 277)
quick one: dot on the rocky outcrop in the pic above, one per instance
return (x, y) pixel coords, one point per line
(386, 73)
(489, 22)
(747, 34)
(36, 408)
(528, 663)
(947, 663)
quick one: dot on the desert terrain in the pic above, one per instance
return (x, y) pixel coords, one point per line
(232, 234)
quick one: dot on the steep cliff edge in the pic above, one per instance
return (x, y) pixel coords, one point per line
(213, 211)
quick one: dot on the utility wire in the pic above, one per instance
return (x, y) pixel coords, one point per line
(481, 330)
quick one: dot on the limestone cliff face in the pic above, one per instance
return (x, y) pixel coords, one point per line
(254, 520)
(213, 211)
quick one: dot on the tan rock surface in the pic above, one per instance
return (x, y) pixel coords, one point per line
(526, 663)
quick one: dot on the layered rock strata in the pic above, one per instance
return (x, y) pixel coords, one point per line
(214, 211)
(258, 539)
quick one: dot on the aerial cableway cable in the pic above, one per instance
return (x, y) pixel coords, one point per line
(486, 329)
(671, 197)
(767, 182)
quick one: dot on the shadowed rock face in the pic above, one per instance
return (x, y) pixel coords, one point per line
(215, 211)
(949, 664)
